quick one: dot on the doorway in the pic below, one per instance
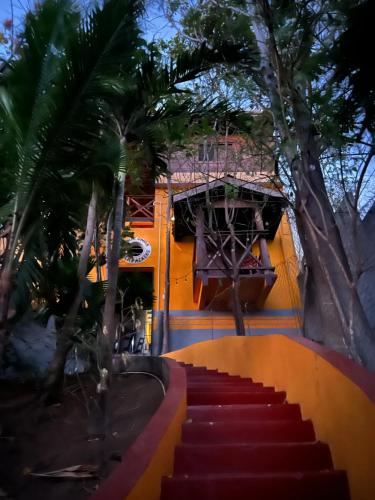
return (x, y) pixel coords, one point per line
(134, 311)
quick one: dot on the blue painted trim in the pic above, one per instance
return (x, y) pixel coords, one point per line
(184, 338)
(208, 314)
(221, 331)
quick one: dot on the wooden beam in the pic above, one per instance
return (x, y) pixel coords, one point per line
(234, 204)
(266, 261)
(201, 251)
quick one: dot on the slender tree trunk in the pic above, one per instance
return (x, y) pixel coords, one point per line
(167, 282)
(236, 307)
(113, 259)
(108, 240)
(6, 275)
(236, 299)
(55, 376)
(108, 331)
(5, 291)
(6, 285)
(97, 253)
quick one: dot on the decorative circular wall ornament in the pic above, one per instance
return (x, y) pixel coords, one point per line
(140, 250)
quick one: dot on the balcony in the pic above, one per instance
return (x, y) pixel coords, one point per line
(231, 222)
(214, 272)
(140, 210)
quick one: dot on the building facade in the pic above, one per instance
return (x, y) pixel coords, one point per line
(227, 215)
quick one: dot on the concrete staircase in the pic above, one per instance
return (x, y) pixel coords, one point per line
(243, 441)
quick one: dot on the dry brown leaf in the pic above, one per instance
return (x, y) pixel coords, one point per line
(73, 472)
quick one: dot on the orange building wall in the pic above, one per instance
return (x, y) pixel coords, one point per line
(187, 323)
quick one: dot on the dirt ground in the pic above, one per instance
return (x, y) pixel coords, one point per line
(42, 439)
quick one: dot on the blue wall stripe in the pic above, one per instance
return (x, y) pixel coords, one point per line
(254, 314)
(184, 338)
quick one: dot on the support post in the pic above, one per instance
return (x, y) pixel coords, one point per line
(201, 253)
(266, 261)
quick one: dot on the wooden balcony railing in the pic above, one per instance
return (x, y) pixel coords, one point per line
(215, 267)
(140, 208)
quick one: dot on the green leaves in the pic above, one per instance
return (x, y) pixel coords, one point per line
(353, 69)
(231, 192)
(56, 113)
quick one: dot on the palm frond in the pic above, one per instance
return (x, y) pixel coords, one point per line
(56, 100)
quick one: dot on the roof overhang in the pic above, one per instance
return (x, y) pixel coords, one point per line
(229, 181)
(271, 201)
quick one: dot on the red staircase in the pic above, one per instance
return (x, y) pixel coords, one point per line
(243, 441)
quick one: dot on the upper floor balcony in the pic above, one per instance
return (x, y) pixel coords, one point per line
(232, 223)
(222, 155)
(220, 258)
(140, 209)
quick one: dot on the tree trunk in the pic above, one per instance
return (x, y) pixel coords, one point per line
(320, 232)
(6, 285)
(325, 255)
(236, 299)
(167, 282)
(236, 307)
(113, 259)
(53, 385)
(54, 381)
(12, 255)
(5, 291)
(108, 239)
(108, 330)
(97, 254)
(320, 319)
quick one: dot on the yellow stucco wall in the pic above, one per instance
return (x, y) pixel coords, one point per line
(281, 309)
(281, 252)
(342, 413)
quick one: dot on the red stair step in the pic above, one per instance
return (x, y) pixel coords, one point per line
(230, 398)
(227, 386)
(248, 431)
(242, 441)
(259, 457)
(209, 373)
(224, 379)
(214, 381)
(229, 413)
(324, 485)
(197, 367)
(202, 370)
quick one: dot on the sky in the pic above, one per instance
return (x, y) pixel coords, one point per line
(19, 9)
(155, 24)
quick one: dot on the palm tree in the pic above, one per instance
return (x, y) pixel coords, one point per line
(89, 82)
(54, 106)
(144, 115)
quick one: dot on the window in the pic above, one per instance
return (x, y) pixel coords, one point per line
(207, 151)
